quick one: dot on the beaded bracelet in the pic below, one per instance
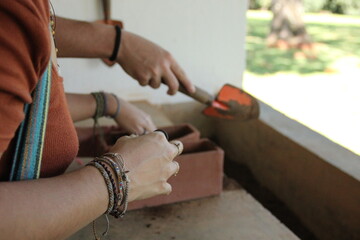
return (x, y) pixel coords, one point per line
(101, 105)
(108, 184)
(117, 198)
(125, 198)
(119, 189)
(113, 164)
(119, 192)
(124, 184)
(118, 157)
(117, 170)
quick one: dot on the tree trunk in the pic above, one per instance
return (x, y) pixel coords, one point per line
(287, 26)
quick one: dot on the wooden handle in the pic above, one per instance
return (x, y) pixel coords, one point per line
(106, 8)
(199, 95)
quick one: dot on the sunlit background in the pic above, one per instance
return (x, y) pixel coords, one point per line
(318, 87)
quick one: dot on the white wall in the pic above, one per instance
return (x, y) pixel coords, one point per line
(207, 37)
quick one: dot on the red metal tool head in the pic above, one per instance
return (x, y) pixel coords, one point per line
(233, 103)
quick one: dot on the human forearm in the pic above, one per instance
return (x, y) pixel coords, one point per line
(51, 208)
(143, 60)
(83, 39)
(54, 208)
(83, 106)
(129, 117)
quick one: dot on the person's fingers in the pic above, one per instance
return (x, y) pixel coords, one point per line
(151, 126)
(155, 82)
(148, 123)
(175, 149)
(123, 138)
(176, 168)
(166, 188)
(147, 128)
(179, 145)
(162, 132)
(170, 80)
(172, 168)
(182, 78)
(142, 78)
(139, 131)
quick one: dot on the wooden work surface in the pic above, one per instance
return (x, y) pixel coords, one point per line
(234, 215)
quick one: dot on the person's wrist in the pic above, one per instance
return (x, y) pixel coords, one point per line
(113, 109)
(111, 101)
(98, 180)
(104, 40)
(123, 45)
(116, 161)
(117, 43)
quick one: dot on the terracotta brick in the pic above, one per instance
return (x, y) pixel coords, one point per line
(200, 175)
(183, 132)
(90, 146)
(201, 164)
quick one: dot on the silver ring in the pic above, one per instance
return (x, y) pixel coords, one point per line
(178, 145)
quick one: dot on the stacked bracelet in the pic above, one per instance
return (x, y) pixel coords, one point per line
(109, 185)
(118, 189)
(102, 106)
(118, 193)
(124, 184)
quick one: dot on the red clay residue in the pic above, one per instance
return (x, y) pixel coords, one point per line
(229, 92)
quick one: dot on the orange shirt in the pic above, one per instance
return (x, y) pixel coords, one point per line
(24, 54)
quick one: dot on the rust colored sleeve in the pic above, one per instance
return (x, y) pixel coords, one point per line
(24, 54)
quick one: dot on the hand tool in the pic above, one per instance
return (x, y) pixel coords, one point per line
(231, 103)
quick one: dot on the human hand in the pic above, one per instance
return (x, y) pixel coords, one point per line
(133, 119)
(150, 64)
(149, 160)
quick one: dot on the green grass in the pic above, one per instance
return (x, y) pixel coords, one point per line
(336, 37)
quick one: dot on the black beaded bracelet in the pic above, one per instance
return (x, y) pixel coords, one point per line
(108, 185)
(117, 198)
(117, 43)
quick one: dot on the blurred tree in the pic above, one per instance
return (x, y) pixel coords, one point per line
(259, 4)
(287, 26)
(342, 6)
(335, 6)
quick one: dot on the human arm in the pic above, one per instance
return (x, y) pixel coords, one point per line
(131, 118)
(143, 60)
(54, 208)
(41, 209)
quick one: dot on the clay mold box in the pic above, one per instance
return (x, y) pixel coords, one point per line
(91, 146)
(200, 175)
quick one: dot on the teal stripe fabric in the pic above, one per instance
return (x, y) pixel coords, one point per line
(31, 133)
